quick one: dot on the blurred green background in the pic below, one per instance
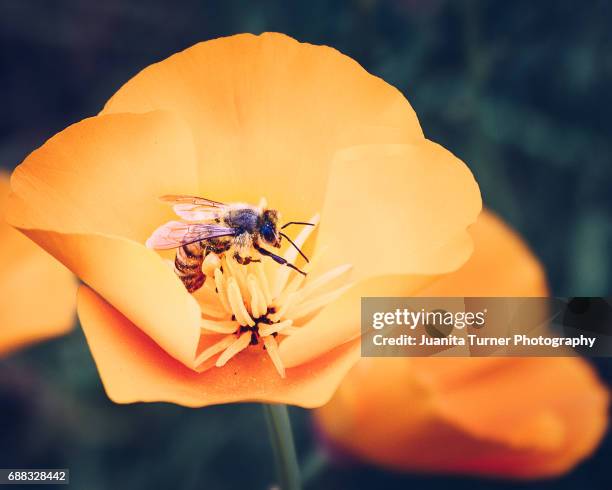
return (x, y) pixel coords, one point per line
(519, 90)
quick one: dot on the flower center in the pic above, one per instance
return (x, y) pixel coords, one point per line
(256, 306)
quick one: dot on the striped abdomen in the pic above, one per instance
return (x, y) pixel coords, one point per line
(188, 266)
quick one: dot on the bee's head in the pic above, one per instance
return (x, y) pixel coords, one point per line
(268, 229)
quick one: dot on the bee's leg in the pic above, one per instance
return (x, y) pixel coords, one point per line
(244, 260)
(278, 259)
(242, 246)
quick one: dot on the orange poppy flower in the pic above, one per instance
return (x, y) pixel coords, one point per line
(37, 293)
(239, 119)
(513, 417)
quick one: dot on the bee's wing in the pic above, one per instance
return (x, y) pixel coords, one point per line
(176, 234)
(193, 208)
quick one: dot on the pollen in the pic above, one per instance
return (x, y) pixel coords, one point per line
(256, 306)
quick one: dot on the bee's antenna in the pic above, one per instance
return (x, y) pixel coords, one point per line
(296, 223)
(296, 247)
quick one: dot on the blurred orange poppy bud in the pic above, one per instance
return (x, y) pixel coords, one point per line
(510, 417)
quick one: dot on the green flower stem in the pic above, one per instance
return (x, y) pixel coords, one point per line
(281, 437)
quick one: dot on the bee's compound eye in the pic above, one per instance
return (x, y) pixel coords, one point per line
(267, 232)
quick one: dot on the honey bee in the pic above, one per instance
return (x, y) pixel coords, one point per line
(214, 227)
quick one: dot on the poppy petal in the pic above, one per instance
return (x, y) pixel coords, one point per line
(419, 185)
(105, 175)
(267, 114)
(465, 415)
(89, 197)
(399, 209)
(341, 320)
(37, 293)
(484, 274)
(133, 368)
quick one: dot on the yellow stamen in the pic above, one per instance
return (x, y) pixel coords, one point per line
(282, 275)
(215, 327)
(323, 280)
(235, 300)
(221, 290)
(268, 300)
(214, 349)
(258, 303)
(291, 288)
(212, 311)
(275, 328)
(237, 346)
(237, 272)
(211, 262)
(272, 349)
(288, 303)
(263, 281)
(317, 303)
